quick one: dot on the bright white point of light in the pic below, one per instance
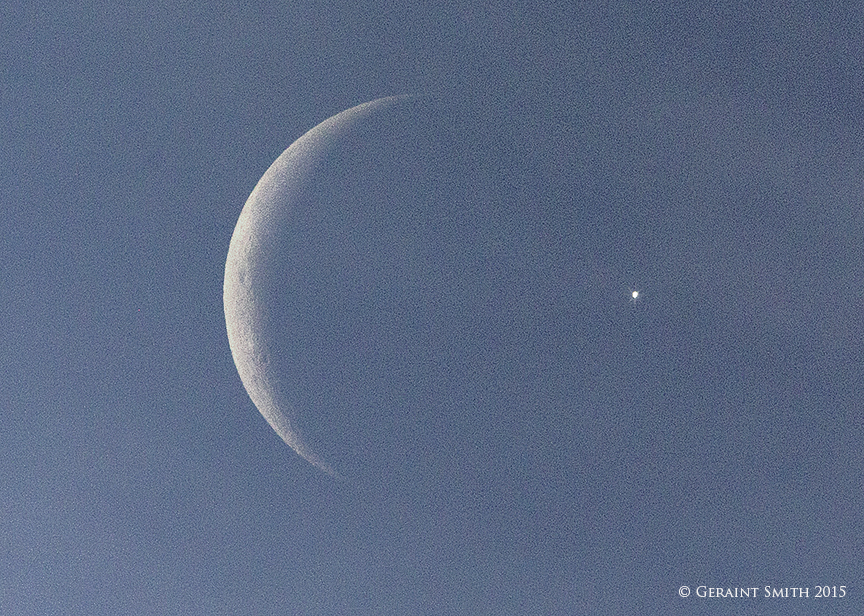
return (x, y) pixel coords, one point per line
(634, 296)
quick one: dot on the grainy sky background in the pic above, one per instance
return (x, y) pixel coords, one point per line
(572, 453)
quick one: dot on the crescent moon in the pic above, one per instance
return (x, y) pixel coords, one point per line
(258, 236)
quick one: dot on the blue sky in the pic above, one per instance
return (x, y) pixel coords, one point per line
(550, 448)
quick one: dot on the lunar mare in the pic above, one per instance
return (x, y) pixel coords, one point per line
(254, 269)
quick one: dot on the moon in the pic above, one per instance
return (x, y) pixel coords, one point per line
(383, 283)
(315, 240)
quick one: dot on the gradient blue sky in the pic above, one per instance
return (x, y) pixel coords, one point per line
(585, 455)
